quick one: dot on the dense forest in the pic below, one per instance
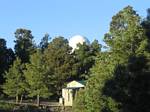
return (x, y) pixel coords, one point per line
(117, 74)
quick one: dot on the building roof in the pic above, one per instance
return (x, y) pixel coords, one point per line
(76, 83)
(72, 87)
(82, 82)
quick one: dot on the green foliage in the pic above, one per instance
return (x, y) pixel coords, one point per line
(15, 81)
(79, 104)
(110, 105)
(9, 107)
(95, 47)
(24, 45)
(85, 58)
(146, 25)
(129, 85)
(6, 59)
(59, 61)
(100, 73)
(36, 76)
(119, 79)
(128, 44)
(5, 107)
(29, 108)
(93, 97)
(44, 42)
(126, 35)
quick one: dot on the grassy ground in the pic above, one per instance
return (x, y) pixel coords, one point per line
(5, 107)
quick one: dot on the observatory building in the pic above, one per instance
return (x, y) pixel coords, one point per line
(75, 40)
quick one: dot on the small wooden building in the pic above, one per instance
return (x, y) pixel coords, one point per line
(68, 93)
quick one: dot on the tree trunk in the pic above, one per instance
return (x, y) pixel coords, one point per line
(21, 99)
(38, 100)
(17, 98)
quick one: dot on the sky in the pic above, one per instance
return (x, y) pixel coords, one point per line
(89, 18)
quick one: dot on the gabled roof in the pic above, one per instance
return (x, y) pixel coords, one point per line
(76, 84)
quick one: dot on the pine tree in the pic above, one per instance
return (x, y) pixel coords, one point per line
(15, 85)
(36, 77)
(95, 47)
(24, 45)
(85, 58)
(60, 62)
(118, 77)
(6, 59)
(44, 42)
(79, 104)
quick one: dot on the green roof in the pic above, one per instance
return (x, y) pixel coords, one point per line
(82, 82)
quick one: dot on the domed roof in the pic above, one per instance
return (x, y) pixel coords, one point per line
(73, 41)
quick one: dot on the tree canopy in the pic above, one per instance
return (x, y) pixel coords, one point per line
(15, 81)
(119, 79)
(6, 59)
(59, 60)
(24, 45)
(35, 75)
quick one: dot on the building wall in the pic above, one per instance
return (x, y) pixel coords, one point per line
(67, 97)
(68, 93)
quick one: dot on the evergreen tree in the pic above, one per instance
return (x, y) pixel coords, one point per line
(60, 62)
(36, 77)
(128, 43)
(95, 47)
(113, 86)
(93, 98)
(79, 104)
(24, 45)
(126, 35)
(129, 85)
(44, 42)
(146, 25)
(85, 58)
(15, 82)
(6, 59)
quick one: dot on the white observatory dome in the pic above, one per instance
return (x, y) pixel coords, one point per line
(73, 41)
